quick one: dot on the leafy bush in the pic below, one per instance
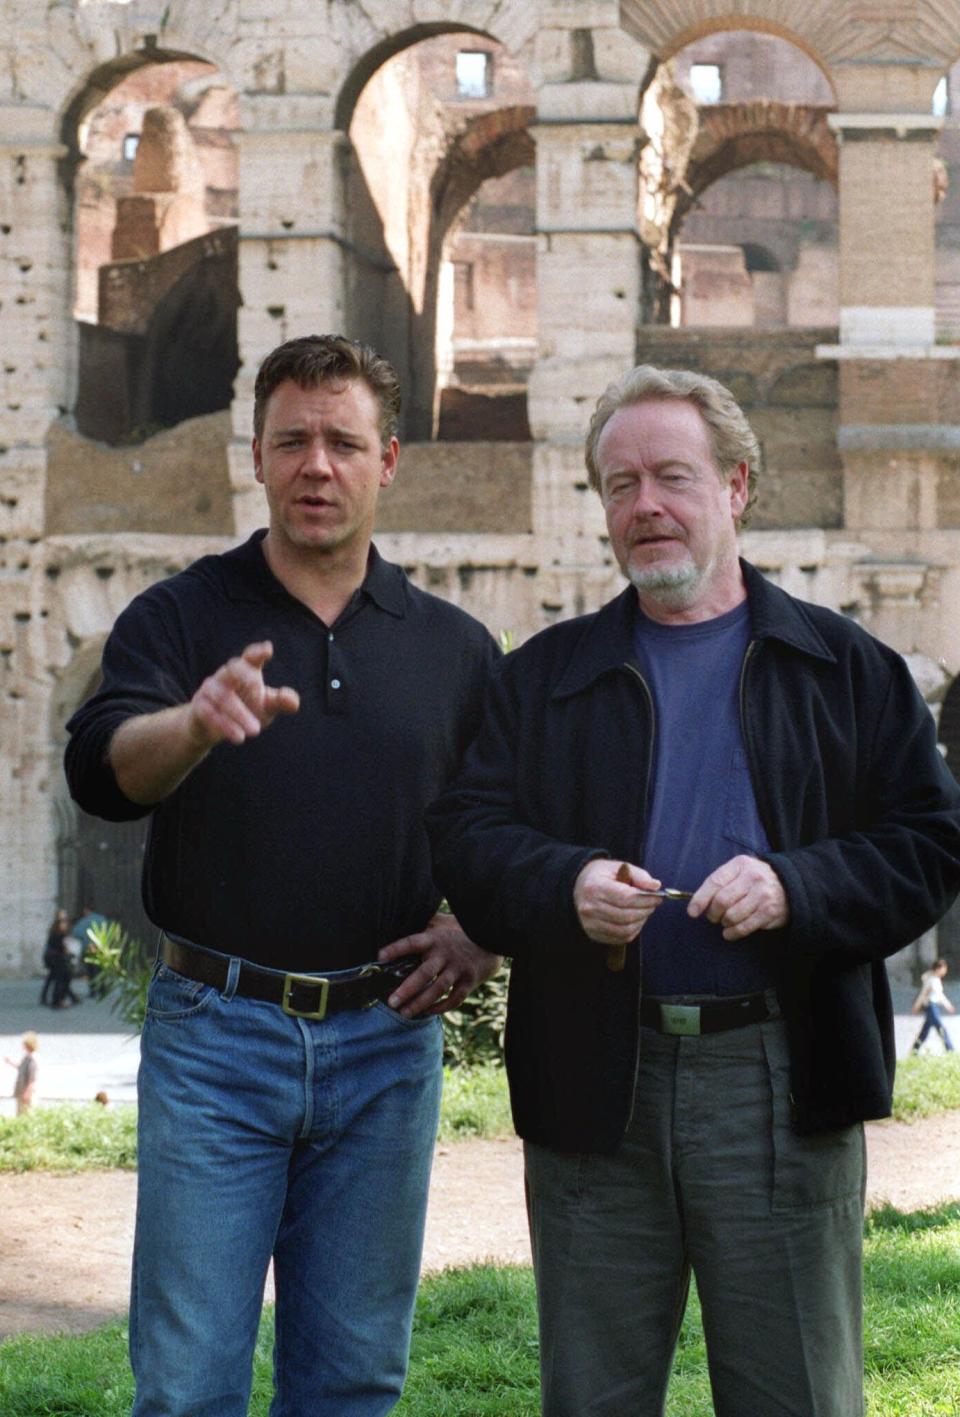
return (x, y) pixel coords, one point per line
(473, 1033)
(70, 1136)
(475, 1103)
(124, 970)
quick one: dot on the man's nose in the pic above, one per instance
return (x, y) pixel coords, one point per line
(316, 459)
(647, 501)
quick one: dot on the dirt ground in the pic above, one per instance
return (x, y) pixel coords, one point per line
(65, 1241)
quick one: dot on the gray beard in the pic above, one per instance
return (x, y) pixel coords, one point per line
(673, 587)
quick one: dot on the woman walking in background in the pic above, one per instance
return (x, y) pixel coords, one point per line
(929, 1002)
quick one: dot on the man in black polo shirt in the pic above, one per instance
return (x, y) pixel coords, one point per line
(290, 1063)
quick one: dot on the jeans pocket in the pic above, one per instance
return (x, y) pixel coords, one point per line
(382, 1009)
(812, 1171)
(171, 995)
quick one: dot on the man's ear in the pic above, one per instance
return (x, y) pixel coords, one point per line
(739, 487)
(388, 462)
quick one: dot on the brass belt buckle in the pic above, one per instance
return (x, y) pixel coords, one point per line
(681, 1019)
(290, 982)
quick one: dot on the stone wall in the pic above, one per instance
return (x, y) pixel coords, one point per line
(178, 478)
(791, 398)
(858, 512)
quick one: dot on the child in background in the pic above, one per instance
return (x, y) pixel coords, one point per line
(26, 1079)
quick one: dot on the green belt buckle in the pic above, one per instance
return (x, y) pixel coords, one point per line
(315, 982)
(681, 1019)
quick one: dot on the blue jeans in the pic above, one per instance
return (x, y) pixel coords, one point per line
(264, 1135)
(933, 1022)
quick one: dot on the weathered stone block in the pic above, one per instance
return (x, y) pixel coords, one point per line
(887, 491)
(580, 14)
(586, 178)
(290, 181)
(588, 102)
(619, 58)
(468, 487)
(563, 502)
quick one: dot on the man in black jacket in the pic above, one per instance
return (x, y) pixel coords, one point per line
(698, 821)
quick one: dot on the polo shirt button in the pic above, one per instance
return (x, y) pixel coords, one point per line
(334, 683)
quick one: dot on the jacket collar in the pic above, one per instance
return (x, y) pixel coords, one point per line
(247, 576)
(607, 643)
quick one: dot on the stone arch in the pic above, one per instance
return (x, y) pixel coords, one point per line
(513, 23)
(154, 223)
(378, 54)
(95, 87)
(489, 145)
(731, 136)
(398, 218)
(822, 28)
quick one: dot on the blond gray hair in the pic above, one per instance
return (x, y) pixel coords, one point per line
(734, 441)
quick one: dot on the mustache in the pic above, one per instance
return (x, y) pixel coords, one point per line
(645, 532)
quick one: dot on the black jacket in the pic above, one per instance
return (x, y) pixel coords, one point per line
(861, 812)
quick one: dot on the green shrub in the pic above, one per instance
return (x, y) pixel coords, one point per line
(473, 1033)
(124, 970)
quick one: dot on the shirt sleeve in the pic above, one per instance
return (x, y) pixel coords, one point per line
(874, 889)
(145, 669)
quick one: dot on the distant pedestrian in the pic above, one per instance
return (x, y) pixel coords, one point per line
(61, 954)
(929, 1002)
(80, 929)
(58, 962)
(26, 1070)
(54, 952)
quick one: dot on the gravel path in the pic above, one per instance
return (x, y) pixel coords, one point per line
(65, 1240)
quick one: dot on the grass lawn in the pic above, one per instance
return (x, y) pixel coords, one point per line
(77, 1136)
(475, 1343)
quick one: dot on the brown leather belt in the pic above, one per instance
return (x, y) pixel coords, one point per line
(689, 1019)
(311, 996)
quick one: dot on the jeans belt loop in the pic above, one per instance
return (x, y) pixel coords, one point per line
(233, 979)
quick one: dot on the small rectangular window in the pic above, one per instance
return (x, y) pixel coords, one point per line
(474, 73)
(130, 144)
(706, 81)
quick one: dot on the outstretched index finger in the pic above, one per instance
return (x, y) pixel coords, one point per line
(257, 654)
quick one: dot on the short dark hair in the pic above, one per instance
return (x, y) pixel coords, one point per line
(321, 359)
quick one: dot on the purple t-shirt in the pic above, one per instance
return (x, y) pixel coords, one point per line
(702, 809)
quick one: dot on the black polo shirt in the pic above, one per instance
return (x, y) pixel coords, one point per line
(303, 848)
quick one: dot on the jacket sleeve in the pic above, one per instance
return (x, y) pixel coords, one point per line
(143, 670)
(509, 884)
(874, 889)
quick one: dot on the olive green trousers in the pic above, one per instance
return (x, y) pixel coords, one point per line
(710, 1179)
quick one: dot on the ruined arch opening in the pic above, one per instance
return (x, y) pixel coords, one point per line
(439, 256)
(151, 178)
(747, 164)
(99, 863)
